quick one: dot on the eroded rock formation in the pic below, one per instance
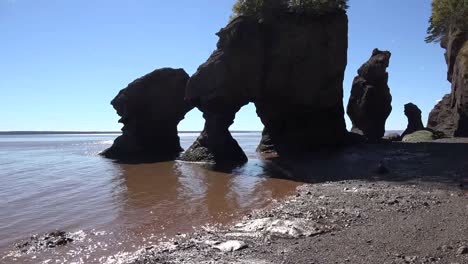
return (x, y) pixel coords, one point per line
(370, 102)
(413, 113)
(301, 101)
(150, 107)
(450, 115)
(221, 86)
(291, 67)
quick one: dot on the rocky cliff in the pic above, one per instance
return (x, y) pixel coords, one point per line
(450, 115)
(370, 102)
(150, 107)
(291, 67)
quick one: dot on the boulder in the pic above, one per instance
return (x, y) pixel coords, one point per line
(419, 137)
(370, 102)
(450, 115)
(413, 113)
(150, 107)
(292, 68)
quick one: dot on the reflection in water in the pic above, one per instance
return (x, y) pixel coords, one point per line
(172, 197)
(51, 182)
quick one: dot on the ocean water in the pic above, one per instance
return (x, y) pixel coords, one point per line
(59, 182)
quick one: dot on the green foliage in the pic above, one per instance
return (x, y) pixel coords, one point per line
(262, 8)
(318, 6)
(247, 7)
(447, 14)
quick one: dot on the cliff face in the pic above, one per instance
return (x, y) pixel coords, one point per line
(291, 67)
(450, 115)
(370, 102)
(150, 109)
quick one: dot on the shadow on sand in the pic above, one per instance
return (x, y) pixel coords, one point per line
(444, 163)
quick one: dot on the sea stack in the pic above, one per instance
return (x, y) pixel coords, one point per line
(413, 113)
(292, 68)
(370, 102)
(150, 107)
(450, 115)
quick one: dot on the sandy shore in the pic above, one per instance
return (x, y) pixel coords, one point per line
(383, 203)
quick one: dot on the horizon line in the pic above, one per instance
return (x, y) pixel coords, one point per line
(96, 132)
(32, 132)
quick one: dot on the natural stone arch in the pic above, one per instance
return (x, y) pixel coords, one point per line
(292, 68)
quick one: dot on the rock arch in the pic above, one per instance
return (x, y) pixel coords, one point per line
(292, 69)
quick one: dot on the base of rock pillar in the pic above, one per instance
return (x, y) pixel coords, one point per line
(226, 151)
(266, 144)
(127, 150)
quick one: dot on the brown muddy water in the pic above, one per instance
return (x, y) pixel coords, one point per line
(59, 182)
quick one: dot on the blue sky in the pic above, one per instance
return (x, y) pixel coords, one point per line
(63, 61)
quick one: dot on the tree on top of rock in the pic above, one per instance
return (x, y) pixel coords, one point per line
(445, 15)
(262, 8)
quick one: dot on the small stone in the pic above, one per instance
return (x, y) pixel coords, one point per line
(231, 246)
(212, 242)
(462, 250)
(410, 259)
(445, 248)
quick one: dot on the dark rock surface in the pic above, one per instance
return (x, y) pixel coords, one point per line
(413, 113)
(450, 115)
(150, 107)
(291, 67)
(44, 242)
(370, 102)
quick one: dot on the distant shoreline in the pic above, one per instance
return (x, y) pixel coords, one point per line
(93, 132)
(19, 133)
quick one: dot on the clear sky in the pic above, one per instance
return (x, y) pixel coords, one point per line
(61, 62)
